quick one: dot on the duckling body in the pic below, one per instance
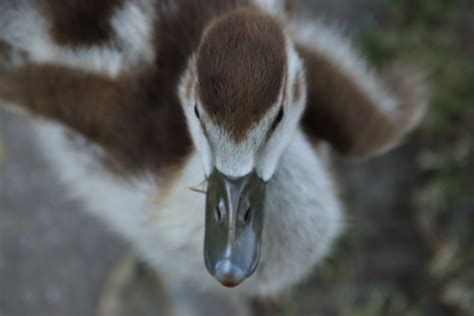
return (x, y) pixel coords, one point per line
(128, 123)
(166, 226)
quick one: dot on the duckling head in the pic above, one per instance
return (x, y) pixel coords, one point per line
(243, 95)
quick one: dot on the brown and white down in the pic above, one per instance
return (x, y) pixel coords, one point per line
(136, 102)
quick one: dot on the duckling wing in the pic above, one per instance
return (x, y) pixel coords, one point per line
(89, 65)
(361, 113)
(108, 37)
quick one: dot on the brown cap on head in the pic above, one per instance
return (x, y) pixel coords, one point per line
(241, 65)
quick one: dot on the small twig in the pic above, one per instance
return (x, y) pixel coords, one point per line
(197, 189)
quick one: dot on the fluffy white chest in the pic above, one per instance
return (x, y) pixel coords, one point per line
(165, 223)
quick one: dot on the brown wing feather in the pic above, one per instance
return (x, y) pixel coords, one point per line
(80, 22)
(342, 112)
(134, 115)
(136, 127)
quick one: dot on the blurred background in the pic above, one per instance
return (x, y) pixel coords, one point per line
(409, 248)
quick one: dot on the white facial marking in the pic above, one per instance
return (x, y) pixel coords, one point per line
(187, 95)
(239, 159)
(293, 110)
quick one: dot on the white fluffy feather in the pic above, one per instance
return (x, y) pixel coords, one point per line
(274, 7)
(26, 29)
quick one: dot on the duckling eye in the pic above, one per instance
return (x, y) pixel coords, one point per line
(196, 111)
(277, 121)
(279, 117)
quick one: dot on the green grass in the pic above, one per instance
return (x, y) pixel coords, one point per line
(2, 152)
(432, 34)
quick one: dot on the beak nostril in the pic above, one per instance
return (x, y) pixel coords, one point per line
(248, 216)
(218, 214)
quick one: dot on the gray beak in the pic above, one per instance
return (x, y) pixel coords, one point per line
(234, 222)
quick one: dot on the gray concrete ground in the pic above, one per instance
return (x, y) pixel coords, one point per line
(54, 258)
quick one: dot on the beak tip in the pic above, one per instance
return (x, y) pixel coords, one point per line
(228, 274)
